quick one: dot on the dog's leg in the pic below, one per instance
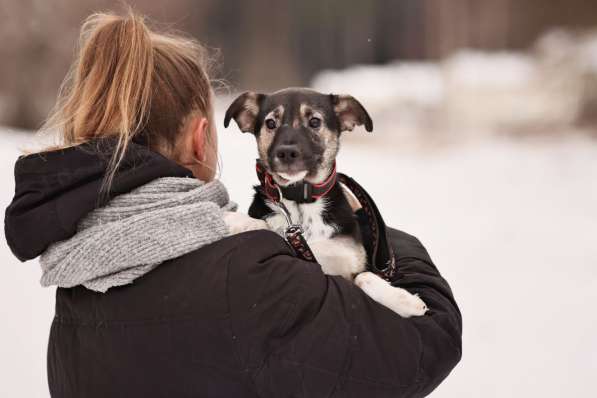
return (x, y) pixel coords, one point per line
(397, 299)
(239, 222)
(277, 223)
(339, 256)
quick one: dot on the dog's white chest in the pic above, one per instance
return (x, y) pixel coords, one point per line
(308, 215)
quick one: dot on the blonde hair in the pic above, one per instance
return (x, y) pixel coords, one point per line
(129, 81)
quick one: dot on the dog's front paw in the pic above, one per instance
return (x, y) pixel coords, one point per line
(397, 299)
(238, 222)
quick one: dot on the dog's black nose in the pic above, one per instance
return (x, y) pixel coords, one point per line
(287, 153)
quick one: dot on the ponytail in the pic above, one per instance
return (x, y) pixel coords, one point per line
(119, 81)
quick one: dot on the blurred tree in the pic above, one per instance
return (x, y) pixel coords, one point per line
(268, 44)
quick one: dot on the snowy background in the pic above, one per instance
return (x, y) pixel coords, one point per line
(492, 174)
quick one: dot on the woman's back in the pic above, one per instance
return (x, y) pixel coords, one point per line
(243, 318)
(238, 317)
(153, 299)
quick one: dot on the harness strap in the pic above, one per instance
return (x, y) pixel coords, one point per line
(294, 236)
(296, 240)
(380, 255)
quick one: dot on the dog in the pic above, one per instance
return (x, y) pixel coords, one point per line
(298, 137)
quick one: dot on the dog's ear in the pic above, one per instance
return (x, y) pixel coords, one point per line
(244, 110)
(350, 112)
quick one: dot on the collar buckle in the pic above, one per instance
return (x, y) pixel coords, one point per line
(300, 192)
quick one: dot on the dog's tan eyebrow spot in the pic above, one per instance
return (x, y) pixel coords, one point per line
(305, 110)
(279, 111)
(308, 111)
(276, 113)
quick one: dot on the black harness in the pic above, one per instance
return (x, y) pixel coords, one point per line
(380, 256)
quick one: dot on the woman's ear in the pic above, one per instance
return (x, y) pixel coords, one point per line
(244, 111)
(199, 130)
(200, 150)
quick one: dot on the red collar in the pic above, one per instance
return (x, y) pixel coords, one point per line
(300, 192)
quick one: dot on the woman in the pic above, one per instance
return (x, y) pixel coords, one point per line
(153, 299)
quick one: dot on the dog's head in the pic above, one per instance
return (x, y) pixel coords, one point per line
(297, 130)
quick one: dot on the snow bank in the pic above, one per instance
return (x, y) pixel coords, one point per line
(482, 69)
(417, 83)
(552, 86)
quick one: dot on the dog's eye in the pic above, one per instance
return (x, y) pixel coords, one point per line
(270, 124)
(315, 122)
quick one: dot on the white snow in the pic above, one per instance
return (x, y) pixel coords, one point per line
(471, 92)
(578, 49)
(501, 69)
(418, 83)
(589, 52)
(512, 225)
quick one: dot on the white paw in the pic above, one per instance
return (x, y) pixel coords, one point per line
(373, 285)
(238, 222)
(397, 299)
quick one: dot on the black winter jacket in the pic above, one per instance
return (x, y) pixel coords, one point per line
(239, 318)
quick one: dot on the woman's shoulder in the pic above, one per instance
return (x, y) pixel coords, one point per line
(208, 280)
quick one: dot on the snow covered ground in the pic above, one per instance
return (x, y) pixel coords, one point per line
(511, 224)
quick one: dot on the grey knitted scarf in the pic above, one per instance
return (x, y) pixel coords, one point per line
(137, 231)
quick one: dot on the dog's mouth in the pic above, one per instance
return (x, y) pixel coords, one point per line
(287, 178)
